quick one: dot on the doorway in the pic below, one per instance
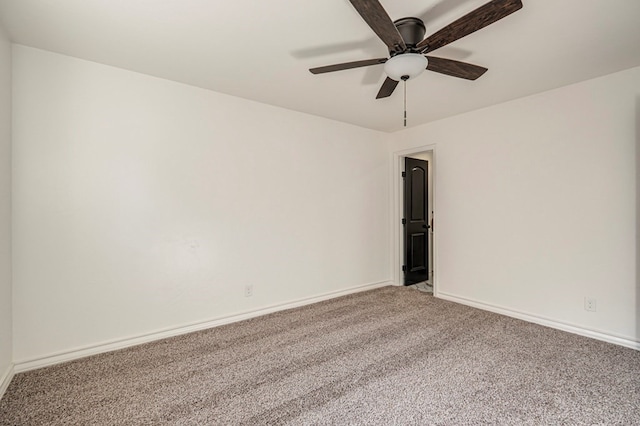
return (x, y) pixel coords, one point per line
(407, 269)
(415, 221)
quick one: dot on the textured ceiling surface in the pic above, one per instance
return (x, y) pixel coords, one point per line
(262, 50)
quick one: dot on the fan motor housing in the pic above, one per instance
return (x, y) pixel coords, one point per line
(412, 30)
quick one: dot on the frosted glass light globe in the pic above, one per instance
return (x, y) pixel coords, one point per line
(405, 64)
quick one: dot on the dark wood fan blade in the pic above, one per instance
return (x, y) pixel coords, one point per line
(348, 65)
(387, 88)
(471, 22)
(377, 18)
(455, 68)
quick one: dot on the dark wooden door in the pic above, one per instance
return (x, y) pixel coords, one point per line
(415, 221)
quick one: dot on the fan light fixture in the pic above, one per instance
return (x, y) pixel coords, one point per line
(405, 66)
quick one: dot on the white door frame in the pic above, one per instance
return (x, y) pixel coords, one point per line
(397, 212)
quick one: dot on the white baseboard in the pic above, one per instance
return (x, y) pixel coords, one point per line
(45, 361)
(5, 379)
(594, 334)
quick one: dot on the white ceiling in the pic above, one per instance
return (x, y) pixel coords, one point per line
(262, 50)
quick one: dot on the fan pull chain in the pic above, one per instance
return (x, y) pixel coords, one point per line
(405, 101)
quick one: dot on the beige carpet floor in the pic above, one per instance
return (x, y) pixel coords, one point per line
(391, 356)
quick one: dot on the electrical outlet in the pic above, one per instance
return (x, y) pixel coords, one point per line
(589, 304)
(248, 290)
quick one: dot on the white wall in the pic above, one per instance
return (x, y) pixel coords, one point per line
(142, 204)
(536, 204)
(5, 208)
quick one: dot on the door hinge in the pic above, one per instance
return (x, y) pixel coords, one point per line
(404, 174)
(404, 268)
(404, 221)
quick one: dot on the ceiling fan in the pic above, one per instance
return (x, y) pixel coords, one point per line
(408, 48)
